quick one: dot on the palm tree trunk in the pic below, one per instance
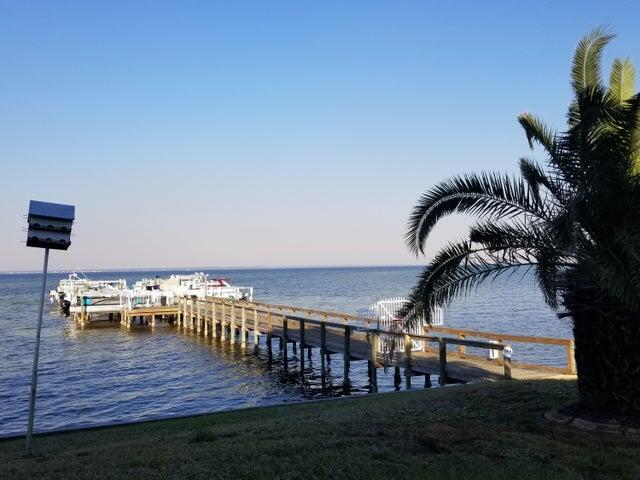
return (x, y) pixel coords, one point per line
(607, 342)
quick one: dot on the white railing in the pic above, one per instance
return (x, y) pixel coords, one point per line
(386, 311)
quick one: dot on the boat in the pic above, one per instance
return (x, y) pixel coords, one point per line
(101, 299)
(165, 291)
(76, 285)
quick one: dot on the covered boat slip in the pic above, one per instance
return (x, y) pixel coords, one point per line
(448, 353)
(94, 301)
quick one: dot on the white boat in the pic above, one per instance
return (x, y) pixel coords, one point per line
(96, 298)
(200, 285)
(77, 285)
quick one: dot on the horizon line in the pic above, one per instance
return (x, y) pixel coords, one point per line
(161, 269)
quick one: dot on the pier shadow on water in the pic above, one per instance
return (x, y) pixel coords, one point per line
(312, 382)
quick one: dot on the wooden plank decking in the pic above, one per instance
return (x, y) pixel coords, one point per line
(355, 338)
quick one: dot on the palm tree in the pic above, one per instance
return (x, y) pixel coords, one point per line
(575, 223)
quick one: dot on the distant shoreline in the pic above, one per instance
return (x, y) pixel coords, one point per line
(189, 269)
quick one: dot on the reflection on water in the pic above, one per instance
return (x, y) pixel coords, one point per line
(110, 375)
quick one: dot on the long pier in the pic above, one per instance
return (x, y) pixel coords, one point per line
(440, 351)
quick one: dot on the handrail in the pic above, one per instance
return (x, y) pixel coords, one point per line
(428, 338)
(567, 343)
(460, 341)
(500, 336)
(320, 313)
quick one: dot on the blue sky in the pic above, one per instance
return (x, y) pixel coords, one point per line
(268, 133)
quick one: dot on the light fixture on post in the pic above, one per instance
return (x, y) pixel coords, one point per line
(49, 228)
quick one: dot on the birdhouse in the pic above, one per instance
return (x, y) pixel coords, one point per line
(49, 225)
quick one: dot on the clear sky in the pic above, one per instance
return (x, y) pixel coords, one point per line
(268, 133)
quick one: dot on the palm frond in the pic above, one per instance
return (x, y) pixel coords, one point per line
(484, 195)
(439, 286)
(521, 235)
(536, 131)
(622, 80)
(585, 71)
(536, 177)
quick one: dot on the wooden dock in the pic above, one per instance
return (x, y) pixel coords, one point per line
(443, 350)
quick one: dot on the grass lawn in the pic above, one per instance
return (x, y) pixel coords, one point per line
(473, 431)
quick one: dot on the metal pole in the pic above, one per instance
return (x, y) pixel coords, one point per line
(36, 355)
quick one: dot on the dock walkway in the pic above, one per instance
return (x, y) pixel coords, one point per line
(443, 351)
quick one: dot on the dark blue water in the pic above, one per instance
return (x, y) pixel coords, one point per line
(108, 375)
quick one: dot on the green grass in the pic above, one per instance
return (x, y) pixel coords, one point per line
(474, 431)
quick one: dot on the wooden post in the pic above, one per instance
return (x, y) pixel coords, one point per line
(214, 321)
(507, 367)
(269, 337)
(198, 318)
(285, 358)
(256, 333)
(408, 367)
(461, 348)
(347, 356)
(443, 362)
(243, 328)
(185, 315)
(571, 357)
(507, 351)
(301, 323)
(373, 360)
(223, 322)
(206, 324)
(232, 329)
(323, 351)
(397, 378)
(427, 380)
(191, 315)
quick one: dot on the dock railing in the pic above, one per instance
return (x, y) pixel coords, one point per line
(463, 334)
(442, 336)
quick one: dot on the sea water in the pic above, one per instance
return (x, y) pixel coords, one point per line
(100, 376)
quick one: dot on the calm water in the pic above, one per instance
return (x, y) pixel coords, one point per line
(108, 375)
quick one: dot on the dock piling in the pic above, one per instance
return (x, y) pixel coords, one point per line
(397, 378)
(256, 333)
(373, 360)
(301, 325)
(285, 328)
(198, 318)
(323, 351)
(243, 328)
(408, 368)
(347, 357)
(232, 329)
(269, 338)
(214, 321)
(223, 322)
(442, 353)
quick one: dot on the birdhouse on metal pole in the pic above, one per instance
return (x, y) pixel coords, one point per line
(50, 225)
(49, 228)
